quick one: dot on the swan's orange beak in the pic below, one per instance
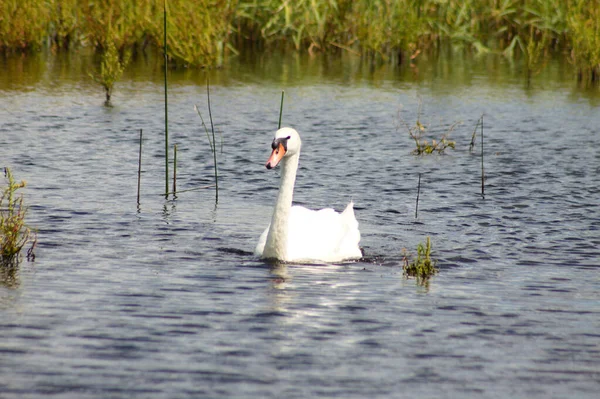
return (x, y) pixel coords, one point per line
(276, 155)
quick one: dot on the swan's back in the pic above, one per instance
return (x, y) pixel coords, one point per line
(320, 236)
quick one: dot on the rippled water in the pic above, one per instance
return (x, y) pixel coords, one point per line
(165, 299)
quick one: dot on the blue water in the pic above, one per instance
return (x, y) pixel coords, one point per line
(165, 300)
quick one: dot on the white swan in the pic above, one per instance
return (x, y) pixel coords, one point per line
(297, 234)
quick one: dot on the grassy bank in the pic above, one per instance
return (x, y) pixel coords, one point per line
(203, 32)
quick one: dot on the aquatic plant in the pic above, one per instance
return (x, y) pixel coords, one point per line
(112, 66)
(165, 70)
(14, 232)
(535, 53)
(418, 131)
(281, 109)
(198, 34)
(472, 146)
(65, 22)
(139, 174)
(422, 267)
(211, 142)
(23, 24)
(203, 32)
(584, 23)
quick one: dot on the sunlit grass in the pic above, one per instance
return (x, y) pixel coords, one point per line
(203, 32)
(14, 232)
(421, 267)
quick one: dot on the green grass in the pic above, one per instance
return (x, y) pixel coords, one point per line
(418, 131)
(112, 67)
(14, 232)
(422, 267)
(203, 32)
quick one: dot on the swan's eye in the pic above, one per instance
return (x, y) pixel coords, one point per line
(282, 141)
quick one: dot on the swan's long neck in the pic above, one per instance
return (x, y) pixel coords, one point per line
(276, 245)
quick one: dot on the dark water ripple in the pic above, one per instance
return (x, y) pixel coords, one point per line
(166, 300)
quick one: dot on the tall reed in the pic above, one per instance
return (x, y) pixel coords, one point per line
(482, 170)
(418, 193)
(583, 21)
(166, 67)
(139, 182)
(214, 145)
(174, 170)
(14, 232)
(201, 33)
(280, 109)
(23, 24)
(211, 141)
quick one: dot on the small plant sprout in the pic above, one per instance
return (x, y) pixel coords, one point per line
(14, 232)
(421, 268)
(422, 145)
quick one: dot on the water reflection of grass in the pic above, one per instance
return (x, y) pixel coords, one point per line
(203, 32)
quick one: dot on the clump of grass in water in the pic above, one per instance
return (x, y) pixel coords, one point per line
(14, 232)
(111, 27)
(421, 268)
(423, 146)
(111, 69)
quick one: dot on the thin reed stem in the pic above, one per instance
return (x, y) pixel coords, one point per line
(166, 101)
(482, 170)
(418, 192)
(175, 169)
(281, 109)
(139, 169)
(473, 136)
(212, 128)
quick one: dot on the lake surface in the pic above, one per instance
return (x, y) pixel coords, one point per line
(166, 300)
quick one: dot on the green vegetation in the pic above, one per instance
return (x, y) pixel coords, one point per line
(201, 33)
(418, 131)
(421, 268)
(112, 66)
(14, 232)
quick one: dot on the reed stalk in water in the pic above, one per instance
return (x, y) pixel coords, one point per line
(280, 109)
(474, 135)
(139, 169)
(166, 100)
(175, 170)
(482, 170)
(203, 32)
(214, 147)
(211, 142)
(418, 192)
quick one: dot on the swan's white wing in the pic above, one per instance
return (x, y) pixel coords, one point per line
(323, 235)
(260, 246)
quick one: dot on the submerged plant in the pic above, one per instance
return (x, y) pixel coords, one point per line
(14, 232)
(421, 268)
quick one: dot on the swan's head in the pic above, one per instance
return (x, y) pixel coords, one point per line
(286, 143)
